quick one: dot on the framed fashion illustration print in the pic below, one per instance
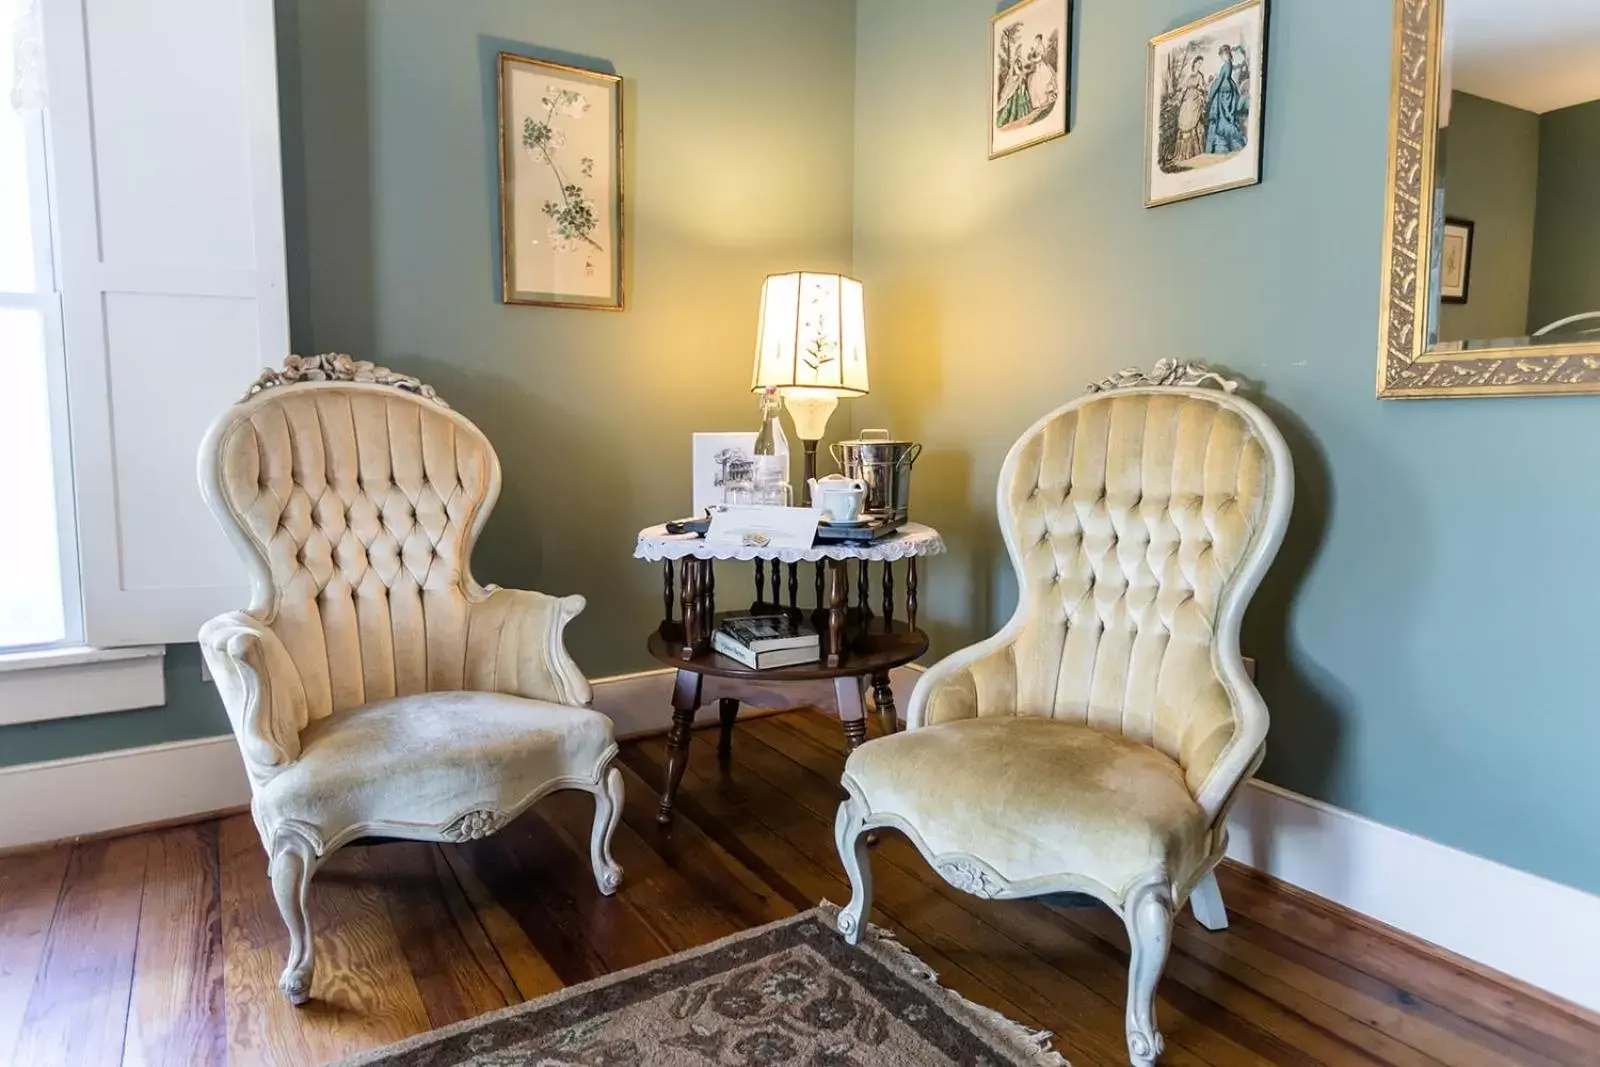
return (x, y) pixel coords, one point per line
(560, 185)
(1030, 50)
(1204, 102)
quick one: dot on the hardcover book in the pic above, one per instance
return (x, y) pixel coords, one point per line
(761, 661)
(769, 633)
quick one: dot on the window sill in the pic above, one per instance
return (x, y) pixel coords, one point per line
(64, 683)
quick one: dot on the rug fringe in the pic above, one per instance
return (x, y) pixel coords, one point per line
(890, 949)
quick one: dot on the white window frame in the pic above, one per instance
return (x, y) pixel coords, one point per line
(115, 424)
(65, 679)
(46, 300)
(148, 340)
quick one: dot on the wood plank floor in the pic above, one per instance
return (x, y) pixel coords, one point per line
(164, 947)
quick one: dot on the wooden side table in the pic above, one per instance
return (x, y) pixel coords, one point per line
(860, 645)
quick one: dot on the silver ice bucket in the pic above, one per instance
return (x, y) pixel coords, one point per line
(885, 466)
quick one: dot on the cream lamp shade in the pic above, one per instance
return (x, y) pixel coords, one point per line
(811, 345)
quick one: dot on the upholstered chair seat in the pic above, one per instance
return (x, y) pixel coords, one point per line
(1037, 798)
(376, 689)
(1096, 742)
(431, 760)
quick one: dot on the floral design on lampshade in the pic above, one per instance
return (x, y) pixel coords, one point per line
(812, 335)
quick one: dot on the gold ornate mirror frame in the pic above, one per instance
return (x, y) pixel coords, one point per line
(1408, 367)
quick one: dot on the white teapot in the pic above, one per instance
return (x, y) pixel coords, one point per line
(841, 499)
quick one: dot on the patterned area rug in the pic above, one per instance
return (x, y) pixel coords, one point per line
(791, 993)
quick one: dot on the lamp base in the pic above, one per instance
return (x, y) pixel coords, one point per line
(809, 470)
(810, 410)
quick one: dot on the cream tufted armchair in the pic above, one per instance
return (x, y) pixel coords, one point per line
(1095, 744)
(375, 689)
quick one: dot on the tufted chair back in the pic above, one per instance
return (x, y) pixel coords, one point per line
(1139, 522)
(357, 504)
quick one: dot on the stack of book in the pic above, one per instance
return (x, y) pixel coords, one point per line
(762, 642)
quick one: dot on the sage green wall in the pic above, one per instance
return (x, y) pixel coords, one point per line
(1566, 265)
(1492, 178)
(738, 145)
(1425, 639)
(1426, 636)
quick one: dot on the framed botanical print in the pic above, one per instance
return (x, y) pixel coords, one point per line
(1030, 51)
(1455, 261)
(1205, 96)
(560, 185)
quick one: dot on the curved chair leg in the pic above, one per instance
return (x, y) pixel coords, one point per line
(849, 836)
(607, 813)
(290, 868)
(1149, 921)
(1206, 903)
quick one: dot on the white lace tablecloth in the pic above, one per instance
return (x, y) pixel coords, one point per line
(915, 539)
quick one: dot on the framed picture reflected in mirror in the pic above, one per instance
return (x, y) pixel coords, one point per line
(1455, 261)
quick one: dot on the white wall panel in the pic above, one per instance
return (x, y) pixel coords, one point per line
(187, 331)
(175, 190)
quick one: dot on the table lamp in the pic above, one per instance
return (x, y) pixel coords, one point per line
(811, 346)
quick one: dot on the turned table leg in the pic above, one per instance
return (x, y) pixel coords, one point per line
(729, 709)
(685, 702)
(883, 697)
(850, 694)
(688, 601)
(836, 612)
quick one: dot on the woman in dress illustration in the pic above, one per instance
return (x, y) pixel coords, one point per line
(1042, 86)
(1225, 110)
(1192, 113)
(1019, 105)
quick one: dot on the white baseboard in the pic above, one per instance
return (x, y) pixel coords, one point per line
(88, 795)
(1515, 922)
(110, 791)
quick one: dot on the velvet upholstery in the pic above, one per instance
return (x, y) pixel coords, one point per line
(1096, 742)
(373, 686)
(454, 752)
(1131, 516)
(1038, 798)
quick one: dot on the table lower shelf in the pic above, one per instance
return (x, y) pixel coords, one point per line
(871, 644)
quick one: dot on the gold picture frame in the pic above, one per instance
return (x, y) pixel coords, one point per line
(1051, 64)
(562, 240)
(1409, 366)
(1232, 166)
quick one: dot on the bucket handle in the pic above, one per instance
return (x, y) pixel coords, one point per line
(910, 456)
(833, 450)
(882, 435)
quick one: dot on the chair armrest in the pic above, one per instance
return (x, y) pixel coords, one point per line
(961, 685)
(261, 690)
(515, 645)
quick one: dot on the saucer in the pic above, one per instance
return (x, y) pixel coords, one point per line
(853, 524)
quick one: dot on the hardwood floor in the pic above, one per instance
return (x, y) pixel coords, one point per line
(164, 947)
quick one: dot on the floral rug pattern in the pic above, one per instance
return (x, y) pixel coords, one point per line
(791, 994)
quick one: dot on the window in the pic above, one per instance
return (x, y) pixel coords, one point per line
(141, 289)
(38, 573)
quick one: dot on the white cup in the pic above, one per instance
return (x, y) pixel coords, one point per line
(841, 499)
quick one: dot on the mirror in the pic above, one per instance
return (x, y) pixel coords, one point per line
(1492, 263)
